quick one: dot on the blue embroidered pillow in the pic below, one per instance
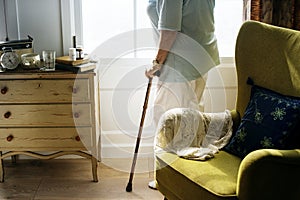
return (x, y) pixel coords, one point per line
(268, 122)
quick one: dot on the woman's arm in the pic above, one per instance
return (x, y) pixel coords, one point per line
(166, 41)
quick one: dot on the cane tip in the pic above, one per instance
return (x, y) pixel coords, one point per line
(129, 187)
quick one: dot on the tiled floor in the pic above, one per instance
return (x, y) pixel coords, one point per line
(61, 179)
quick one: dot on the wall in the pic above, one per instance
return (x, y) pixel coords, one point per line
(47, 21)
(221, 87)
(11, 19)
(42, 21)
(2, 23)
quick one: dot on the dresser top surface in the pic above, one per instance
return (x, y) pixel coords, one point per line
(37, 74)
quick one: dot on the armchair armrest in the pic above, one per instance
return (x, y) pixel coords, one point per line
(236, 119)
(269, 174)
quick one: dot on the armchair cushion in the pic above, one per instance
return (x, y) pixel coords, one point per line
(217, 177)
(268, 122)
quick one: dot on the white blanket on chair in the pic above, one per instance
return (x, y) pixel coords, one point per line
(193, 134)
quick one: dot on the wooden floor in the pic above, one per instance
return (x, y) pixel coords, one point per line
(61, 179)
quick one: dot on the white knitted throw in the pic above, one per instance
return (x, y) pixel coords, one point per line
(192, 134)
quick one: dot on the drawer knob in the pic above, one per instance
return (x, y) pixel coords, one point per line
(4, 90)
(75, 90)
(10, 138)
(76, 115)
(77, 138)
(7, 115)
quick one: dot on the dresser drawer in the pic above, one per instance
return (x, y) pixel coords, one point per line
(45, 91)
(45, 138)
(45, 115)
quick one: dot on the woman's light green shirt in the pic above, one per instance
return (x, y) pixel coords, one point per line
(195, 50)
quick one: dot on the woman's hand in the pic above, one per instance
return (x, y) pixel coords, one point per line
(154, 70)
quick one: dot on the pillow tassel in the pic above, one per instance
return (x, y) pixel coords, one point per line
(250, 81)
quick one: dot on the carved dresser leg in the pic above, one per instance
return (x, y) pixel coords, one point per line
(94, 169)
(14, 159)
(1, 168)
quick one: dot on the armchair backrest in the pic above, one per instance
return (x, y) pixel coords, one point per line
(270, 55)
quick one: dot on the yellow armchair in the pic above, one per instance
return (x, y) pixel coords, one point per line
(271, 57)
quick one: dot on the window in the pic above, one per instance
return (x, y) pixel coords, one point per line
(101, 21)
(228, 19)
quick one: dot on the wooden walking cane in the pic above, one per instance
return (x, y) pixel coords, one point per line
(129, 185)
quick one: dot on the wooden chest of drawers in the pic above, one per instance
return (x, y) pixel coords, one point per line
(48, 112)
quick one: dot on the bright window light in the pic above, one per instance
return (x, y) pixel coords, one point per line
(101, 21)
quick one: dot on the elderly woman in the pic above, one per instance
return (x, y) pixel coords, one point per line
(187, 49)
